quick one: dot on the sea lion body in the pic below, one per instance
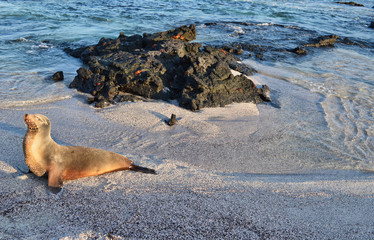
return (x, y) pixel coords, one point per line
(44, 155)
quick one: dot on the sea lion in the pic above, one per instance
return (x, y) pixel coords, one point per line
(43, 155)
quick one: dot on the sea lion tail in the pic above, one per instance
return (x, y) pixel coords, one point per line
(137, 168)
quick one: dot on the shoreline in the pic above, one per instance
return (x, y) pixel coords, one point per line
(298, 167)
(185, 199)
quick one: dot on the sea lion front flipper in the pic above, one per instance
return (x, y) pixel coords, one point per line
(54, 176)
(55, 190)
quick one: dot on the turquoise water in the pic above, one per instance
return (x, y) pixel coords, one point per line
(339, 81)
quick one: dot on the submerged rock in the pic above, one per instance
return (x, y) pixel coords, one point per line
(351, 4)
(299, 51)
(319, 42)
(371, 25)
(164, 66)
(323, 41)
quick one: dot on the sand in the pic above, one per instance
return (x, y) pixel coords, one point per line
(221, 175)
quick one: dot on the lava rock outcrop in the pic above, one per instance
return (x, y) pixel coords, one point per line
(165, 66)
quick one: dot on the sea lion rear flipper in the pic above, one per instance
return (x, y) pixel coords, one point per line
(137, 168)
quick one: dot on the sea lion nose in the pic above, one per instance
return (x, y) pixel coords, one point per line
(25, 116)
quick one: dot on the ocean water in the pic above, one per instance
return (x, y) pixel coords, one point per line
(323, 103)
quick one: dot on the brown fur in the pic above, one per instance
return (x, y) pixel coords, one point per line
(43, 155)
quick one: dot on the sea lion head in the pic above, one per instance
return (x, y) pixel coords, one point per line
(37, 123)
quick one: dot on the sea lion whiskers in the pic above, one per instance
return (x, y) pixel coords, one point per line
(31, 125)
(34, 122)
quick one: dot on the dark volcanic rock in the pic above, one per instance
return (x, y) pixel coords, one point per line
(299, 51)
(351, 4)
(58, 76)
(324, 41)
(164, 66)
(173, 120)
